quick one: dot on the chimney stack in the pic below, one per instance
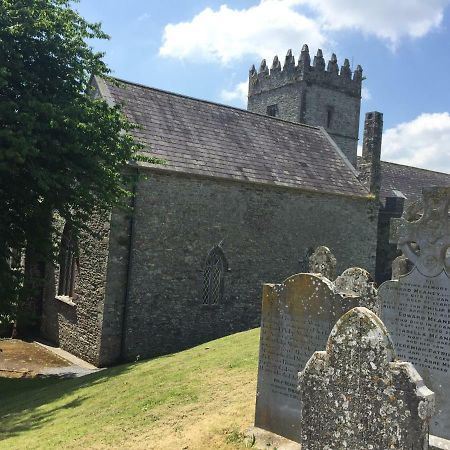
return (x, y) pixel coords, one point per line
(371, 151)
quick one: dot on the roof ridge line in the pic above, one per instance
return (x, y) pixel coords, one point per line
(414, 167)
(235, 108)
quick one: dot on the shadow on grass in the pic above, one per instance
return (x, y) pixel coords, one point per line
(28, 405)
(21, 399)
(34, 420)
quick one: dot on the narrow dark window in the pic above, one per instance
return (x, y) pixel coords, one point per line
(15, 258)
(68, 263)
(330, 112)
(272, 110)
(213, 276)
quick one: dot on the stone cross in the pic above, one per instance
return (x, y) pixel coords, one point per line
(324, 262)
(431, 233)
(357, 396)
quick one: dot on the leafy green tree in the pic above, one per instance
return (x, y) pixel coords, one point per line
(62, 151)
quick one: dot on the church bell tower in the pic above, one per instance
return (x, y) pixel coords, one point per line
(311, 94)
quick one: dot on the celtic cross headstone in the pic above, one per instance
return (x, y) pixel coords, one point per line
(416, 307)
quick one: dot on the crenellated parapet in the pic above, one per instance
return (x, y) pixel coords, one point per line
(319, 73)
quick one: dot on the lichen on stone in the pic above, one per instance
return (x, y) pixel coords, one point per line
(357, 395)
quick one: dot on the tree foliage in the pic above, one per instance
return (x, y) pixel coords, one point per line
(62, 151)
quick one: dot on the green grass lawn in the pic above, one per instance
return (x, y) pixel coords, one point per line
(202, 398)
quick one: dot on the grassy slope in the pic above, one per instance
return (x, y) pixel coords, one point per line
(202, 398)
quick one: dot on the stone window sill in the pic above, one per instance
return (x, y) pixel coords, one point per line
(65, 299)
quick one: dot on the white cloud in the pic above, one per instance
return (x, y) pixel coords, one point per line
(423, 142)
(365, 93)
(143, 17)
(386, 19)
(238, 93)
(272, 26)
(269, 28)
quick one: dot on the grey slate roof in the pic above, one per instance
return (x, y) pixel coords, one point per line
(409, 180)
(204, 138)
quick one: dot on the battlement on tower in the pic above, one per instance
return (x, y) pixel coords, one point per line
(330, 76)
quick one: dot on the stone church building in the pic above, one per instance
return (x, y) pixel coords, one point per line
(241, 199)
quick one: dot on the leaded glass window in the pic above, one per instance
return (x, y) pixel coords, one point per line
(213, 276)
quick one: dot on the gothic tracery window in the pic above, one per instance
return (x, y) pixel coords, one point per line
(68, 263)
(213, 276)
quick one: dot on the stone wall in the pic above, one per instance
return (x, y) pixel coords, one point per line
(266, 231)
(344, 125)
(143, 277)
(121, 226)
(75, 323)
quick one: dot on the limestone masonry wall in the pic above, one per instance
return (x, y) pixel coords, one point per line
(140, 284)
(110, 351)
(265, 234)
(75, 323)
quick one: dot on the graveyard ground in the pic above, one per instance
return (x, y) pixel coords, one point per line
(202, 398)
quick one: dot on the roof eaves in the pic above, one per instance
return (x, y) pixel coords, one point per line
(164, 169)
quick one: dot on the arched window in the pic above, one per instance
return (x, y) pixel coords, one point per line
(213, 276)
(68, 263)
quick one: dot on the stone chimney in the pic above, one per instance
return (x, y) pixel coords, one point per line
(370, 166)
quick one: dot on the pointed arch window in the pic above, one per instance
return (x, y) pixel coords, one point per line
(68, 263)
(213, 276)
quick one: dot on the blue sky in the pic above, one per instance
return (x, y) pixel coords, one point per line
(204, 48)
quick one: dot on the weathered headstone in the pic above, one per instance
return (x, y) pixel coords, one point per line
(357, 396)
(324, 262)
(416, 308)
(358, 281)
(297, 317)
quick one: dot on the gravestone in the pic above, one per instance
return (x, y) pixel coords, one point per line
(358, 281)
(357, 396)
(296, 319)
(416, 308)
(324, 262)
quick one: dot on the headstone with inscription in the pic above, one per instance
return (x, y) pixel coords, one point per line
(356, 395)
(297, 317)
(324, 262)
(416, 308)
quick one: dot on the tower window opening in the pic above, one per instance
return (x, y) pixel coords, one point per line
(330, 111)
(272, 110)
